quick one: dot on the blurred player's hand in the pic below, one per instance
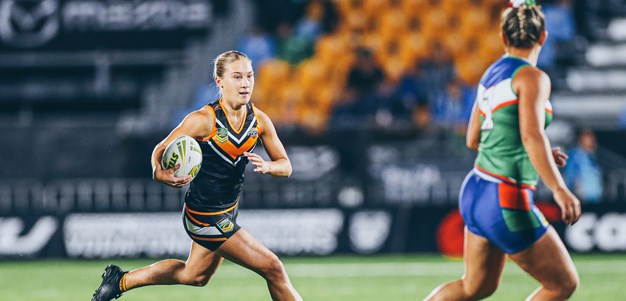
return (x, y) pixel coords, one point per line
(167, 177)
(560, 158)
(569, 204)
(260, 165)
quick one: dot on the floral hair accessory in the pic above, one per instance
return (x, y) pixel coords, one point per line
(517, 3)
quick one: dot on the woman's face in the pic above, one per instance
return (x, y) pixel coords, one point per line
(237, 83)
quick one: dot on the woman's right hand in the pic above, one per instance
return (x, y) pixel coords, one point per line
(167, 177)
(569, 204)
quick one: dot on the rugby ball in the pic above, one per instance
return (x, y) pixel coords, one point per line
(186, 151)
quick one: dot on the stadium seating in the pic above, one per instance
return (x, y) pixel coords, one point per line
(400, 34)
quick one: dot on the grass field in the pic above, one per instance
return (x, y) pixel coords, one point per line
(393, 278)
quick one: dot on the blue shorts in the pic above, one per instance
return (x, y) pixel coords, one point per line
(502, 212)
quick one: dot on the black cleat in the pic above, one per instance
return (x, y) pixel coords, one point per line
(110, 286)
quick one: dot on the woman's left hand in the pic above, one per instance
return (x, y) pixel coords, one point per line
(261, 166)
(560, 158)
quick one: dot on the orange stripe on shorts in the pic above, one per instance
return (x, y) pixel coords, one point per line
(209, 238)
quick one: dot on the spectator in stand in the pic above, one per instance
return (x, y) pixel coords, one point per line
(437, 70)
(365, 87)
(309, 26)
(560, 47)
(582, 172)
(330, 17)
(452, 107)
(258, 45)
(292, 47)
(412, 98)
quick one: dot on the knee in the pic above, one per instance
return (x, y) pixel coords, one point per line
(480, 291)
(568, 287)
(273, 270)
(195, 280)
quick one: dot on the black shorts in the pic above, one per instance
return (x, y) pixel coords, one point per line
(211, 229)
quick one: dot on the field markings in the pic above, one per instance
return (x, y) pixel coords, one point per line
(397, 269)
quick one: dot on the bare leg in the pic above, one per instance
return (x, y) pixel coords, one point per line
(246, 251)
(200, 266)
(548, 261)
(483, 270)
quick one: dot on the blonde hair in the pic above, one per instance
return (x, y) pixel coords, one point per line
(522, 26)
(220, 62)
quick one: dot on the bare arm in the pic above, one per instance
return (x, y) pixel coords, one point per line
(197, 124)
(472, 139)
(533, 88)
(279, 166)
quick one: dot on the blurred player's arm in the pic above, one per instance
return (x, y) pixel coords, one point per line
(533, 88)
(279, 166)
(472, 139)
(197, 124)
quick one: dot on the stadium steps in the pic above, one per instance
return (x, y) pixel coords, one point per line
(161, 100)
(597, 90)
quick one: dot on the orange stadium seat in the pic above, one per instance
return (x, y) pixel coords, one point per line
(393, 23)
(354, 20)
(377, 43)
(475, 17)
(291, 93)
(415, 6)
(273, 70)
(310, 73)
(435, 22)
(312, 116)
(394, 67)
(331, 47)
(400, 33)
(456, 43)
(374, 7)
(455, 6)
(345, 7)
(470, 69)
(414, 46)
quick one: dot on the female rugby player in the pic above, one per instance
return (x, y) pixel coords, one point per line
(507, 129)
(227, 130)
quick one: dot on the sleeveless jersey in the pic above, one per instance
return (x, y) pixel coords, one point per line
(501, 153)
(220, 179)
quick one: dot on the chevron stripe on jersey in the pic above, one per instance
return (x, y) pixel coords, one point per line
(490, 99)
(229, 143)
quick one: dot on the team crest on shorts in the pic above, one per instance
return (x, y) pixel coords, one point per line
(225, 225)
(222, 135)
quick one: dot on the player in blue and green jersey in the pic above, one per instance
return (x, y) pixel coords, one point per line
(507, 129)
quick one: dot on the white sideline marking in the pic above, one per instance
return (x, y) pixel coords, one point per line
(397, 269)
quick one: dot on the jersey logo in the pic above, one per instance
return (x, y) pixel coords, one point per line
(222, 135)
(253, 132)
(225, 225)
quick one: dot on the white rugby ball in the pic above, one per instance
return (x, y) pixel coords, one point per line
(186, 151)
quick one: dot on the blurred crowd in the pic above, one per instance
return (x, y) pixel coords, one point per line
(368, 63)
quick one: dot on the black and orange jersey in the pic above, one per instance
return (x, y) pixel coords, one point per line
(220, 179)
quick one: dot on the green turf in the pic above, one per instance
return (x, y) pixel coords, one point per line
(378, 278)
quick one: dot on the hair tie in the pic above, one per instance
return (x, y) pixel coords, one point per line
(517, 3)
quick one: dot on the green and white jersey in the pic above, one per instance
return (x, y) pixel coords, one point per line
(501, 153)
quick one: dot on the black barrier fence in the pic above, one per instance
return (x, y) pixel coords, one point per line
(313, 232)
